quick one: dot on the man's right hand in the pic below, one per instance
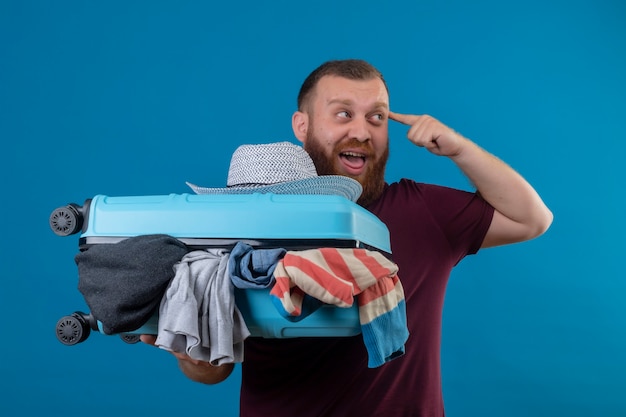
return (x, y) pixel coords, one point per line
(194, 369)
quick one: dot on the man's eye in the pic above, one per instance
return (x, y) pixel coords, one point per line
(378, 117)
(343, 114)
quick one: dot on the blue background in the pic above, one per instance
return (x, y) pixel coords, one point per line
(137, 97)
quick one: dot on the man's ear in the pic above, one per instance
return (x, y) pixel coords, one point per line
(300, 125)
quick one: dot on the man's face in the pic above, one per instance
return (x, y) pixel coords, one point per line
(346, 131)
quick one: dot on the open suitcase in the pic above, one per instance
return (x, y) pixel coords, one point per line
(292, 222)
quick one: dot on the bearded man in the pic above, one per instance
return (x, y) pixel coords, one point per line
(342, 121)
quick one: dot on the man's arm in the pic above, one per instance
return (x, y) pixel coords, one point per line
(196, 370)
(520, 214)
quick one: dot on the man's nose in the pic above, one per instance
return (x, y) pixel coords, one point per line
(359, 130)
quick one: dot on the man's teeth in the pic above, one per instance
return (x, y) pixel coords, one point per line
(353, 154)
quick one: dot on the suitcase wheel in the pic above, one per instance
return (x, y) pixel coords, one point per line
(130, 338)
(73, 329)
(66, 220)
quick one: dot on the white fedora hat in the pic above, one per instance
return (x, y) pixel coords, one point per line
(279, 168)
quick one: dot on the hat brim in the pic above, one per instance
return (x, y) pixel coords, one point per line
(322, 185)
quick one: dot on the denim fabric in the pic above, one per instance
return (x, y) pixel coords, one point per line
(253, 268)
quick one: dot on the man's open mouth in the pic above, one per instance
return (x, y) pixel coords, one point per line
(353, 160)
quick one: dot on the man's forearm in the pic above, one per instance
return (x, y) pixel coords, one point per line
(505, 189)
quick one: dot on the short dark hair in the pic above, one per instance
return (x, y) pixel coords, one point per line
(353, 69)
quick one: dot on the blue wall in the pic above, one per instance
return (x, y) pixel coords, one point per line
(132, 98)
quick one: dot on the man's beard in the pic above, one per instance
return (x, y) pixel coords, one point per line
(373, 180)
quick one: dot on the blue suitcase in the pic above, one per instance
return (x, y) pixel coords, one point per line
(292, 222)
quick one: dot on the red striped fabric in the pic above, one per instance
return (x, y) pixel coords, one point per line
(336, 276)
